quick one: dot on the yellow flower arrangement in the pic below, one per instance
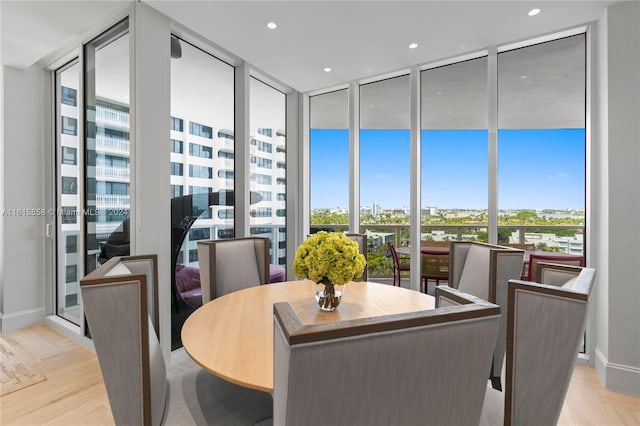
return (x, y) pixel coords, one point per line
(329, 258)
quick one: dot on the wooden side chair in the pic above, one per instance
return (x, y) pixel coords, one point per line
(398, 265)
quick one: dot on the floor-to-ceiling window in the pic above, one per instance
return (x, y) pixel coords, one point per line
(541, 145)
(69, 254)
(329, 160)
(92, 163)
(539, 102)
(201, 142)
(202, 153)
(454, 158)
(107, 148)
(454, 139)
(268, 167)
(384, 167)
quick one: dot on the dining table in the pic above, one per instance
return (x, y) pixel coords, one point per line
(232, 335)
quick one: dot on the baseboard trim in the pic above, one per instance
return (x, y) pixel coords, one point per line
(617, 377)
(22, 319)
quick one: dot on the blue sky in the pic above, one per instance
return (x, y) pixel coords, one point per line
(536, 168)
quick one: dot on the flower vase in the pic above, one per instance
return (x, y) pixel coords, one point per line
(329, 296)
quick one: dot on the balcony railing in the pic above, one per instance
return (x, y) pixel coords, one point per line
(115, 145)
(399, 236)
(119, 173)
(110, 201)
(112, 115)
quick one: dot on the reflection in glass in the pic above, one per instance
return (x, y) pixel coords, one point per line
(201, 145)
(454, 151)
(107, 147)
(329, 158)
(268, 147)
(69, 266)
(541, 142)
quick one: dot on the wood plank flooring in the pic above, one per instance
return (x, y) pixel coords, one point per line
(74, 393)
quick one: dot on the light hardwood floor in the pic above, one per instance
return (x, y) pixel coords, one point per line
(74, 393)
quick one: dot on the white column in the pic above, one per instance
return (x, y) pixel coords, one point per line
(150, 153)
(354, 157)
(242, 134)
(297, 174)
(492, 94)
(416, 180)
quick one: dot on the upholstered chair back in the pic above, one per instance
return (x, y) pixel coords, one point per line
(484, 270)
(115, 299)
(545, 326)
(534, 259)
(558, 275)
(231, 265)
(361, 239)
(417, 368)
(116, 303)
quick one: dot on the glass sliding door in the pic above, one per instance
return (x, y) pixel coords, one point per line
(541, 145)
(268, 167)
(107, 147)
(454, 152)
(385, 146)
(329, 160)
(68, 200)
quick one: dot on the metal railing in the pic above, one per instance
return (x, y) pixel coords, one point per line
(398, 234)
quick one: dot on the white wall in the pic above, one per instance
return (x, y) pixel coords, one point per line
(618, 306)
(22, 274)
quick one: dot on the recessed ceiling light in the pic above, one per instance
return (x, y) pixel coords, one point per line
(413, 45)
(534, 12)
(272, 25)
(523, 77)
(327, 69)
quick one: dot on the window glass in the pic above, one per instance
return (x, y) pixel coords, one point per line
(176, 146)
(69, 126)
(202, 111)
(329, 144)
(454, 104)
(267, 126)
(541, 145)
(107, 147)
(384, 167)
(68, 200)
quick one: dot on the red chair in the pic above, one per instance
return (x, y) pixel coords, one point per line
(534, 259)
(398, 267)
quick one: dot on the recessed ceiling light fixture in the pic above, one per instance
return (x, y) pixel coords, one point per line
(534, 12)
(327, 69)
(413, 45)
(272, 25)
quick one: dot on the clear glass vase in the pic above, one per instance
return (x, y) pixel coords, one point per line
(328, 296)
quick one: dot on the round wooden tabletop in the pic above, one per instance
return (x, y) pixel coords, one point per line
(232, 336)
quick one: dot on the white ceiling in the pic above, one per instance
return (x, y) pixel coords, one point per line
(356, 39)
